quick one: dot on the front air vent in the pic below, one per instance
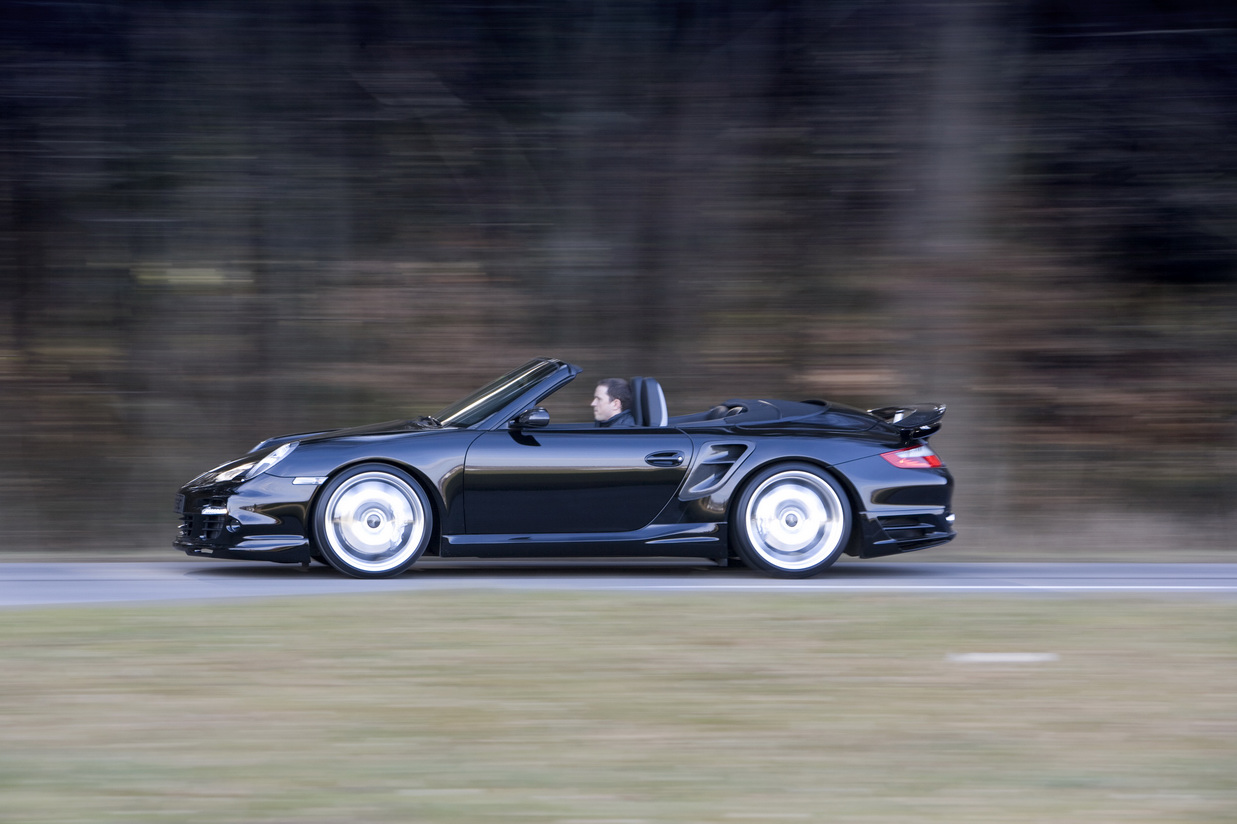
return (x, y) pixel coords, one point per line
(207, 523)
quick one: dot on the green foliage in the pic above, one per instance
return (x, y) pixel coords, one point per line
(559, 707)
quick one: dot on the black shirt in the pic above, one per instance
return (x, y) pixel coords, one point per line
(619, 421)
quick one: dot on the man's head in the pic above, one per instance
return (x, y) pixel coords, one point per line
(611, 397)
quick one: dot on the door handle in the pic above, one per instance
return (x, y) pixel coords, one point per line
(671, 458)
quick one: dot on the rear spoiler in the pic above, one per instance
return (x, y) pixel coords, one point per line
(918, 420)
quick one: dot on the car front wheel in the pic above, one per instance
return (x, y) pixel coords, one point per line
(372, 521)
(792, 520)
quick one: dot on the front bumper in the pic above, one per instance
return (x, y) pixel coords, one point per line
(265, 519)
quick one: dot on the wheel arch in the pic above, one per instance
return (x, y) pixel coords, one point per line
(855, 540)
(852, 494)
(431, 490)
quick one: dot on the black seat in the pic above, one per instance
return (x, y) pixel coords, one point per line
(648, 403)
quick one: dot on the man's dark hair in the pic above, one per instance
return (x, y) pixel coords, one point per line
(619, 390)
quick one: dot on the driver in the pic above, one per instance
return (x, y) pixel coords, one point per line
(612, 403)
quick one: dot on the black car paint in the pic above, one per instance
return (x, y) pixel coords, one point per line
(575, 490)
(532, 482)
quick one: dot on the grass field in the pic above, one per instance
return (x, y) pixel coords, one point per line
(560, 707)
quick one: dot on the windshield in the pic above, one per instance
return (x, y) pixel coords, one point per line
(494, 396)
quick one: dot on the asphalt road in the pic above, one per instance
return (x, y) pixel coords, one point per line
(43, 584)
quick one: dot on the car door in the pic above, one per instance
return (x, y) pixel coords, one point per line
(571, 480)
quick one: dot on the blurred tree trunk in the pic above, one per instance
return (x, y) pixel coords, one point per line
(947, 234)
(26, 269)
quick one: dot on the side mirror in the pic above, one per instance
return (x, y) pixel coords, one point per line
(532, 419)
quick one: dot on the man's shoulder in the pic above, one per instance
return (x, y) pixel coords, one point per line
(624, 418)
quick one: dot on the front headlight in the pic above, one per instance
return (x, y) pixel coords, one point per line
(245, 471)
(231, 474)
(270, 460)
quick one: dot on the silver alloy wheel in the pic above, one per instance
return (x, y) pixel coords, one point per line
(794, 520)
(375, 522)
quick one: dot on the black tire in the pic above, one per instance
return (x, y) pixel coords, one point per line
(372, 521)
(792, 520)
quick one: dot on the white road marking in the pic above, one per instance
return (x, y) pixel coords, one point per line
(979, 587)
(48, 583)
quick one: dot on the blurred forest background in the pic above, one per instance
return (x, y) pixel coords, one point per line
(227, 219)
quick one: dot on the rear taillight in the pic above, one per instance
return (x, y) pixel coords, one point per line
(913, 457)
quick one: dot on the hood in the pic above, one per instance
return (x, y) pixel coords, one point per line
(384, 428)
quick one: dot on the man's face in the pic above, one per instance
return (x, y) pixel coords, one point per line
(604, 406)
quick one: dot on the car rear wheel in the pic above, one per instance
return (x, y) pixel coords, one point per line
(372, 521)
(791, 520)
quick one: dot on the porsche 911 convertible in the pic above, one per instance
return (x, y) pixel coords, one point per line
(785, 487)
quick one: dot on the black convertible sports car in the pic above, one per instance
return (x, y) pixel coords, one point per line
(784, 486)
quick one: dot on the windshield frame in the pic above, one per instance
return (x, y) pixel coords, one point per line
(497, 395)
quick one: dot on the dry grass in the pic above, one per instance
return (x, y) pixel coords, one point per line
(555, 707)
